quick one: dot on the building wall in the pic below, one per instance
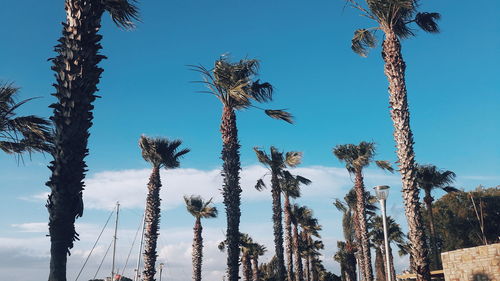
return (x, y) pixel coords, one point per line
(472, 264)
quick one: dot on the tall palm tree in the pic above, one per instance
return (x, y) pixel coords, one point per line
(246, 245)
(256, 250)
(234, 85)
(160, 153)
(356, 158)
(346, 258)
(394, 18)
(77, 75)
(276, 162)
(298, 214)
(290, 187)
(429, 177)
(20, 134)
(395, 236)
(200, 209)
(309, 228)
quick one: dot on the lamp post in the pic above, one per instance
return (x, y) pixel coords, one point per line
(382, 192)
(161, 269)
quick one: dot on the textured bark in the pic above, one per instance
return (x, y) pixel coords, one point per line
(231, 189)
(152, 226)
(350, 267)
(391, 264)
(297, 260)
(435, 253)
(246, 266)
(197, 250)
(379, 264)
(255, 269)
(307, 273)
(288, 239)
(394, 69)
(362, 226)
(77, 76)
(308, 268)
(277, 225)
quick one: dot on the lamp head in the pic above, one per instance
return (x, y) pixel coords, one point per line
(382, 192)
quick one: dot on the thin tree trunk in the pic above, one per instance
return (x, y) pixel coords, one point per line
(255, 269)
(77, 76)
(231, 189)
(395, 71)
(428, 203)
(351, 266)
(307, 273)
(247, 266)
(380, 264)
(277, 226)
(288, 239)
(391, 264)
(297, 260)
(197, 250)
(362, 225)
(152, 225)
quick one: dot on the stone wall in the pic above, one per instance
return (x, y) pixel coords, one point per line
(472, 264)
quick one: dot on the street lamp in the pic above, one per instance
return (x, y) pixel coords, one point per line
(161, 269)
(382, 192)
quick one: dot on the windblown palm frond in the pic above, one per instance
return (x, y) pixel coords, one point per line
(430, 177)
(198, 207)
(123, 12)
(19, 134)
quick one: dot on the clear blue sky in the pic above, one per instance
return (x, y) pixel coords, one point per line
(304, 48)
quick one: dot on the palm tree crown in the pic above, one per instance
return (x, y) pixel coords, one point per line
(430, 177)
(359, 156)
(234, 85)
(197, 207)
(393, 16)
(20, 134)
(161, 152)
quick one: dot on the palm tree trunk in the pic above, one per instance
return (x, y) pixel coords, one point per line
(288, 239)
(362, 226)
(391, 263)
(395, 71)
(379, 264)
(77, 76)
(351, 266)
(247, 267)
(297, 260)
(152, 225)
(197, 250)
(428, 203)
(308, 268)
(277, 225)
(231, 189)
(255, 269)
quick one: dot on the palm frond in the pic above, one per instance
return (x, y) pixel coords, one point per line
(260, 185)
(280, 115)
(261, 92)
(450, 189)
(262, 156)
(428, 21)
(123, 12)
(161, 152)
(293, 158)
(385, 165)
(362, 40)
(303, 180)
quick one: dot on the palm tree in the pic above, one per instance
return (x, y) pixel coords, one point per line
(199, 208)
(290, 187)
(394, 234)
(20, 134)
(357, 157)
(233, 85)
(256, 250)
(77, 76)
(394, 19)
(308, 247)
(246, 245)
(276, 162)
(298, 213)
(349, 248)
(429, 177)
(160, 153)
(347, 259)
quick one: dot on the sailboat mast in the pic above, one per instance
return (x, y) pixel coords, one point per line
(136, 277)
(114, 241)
